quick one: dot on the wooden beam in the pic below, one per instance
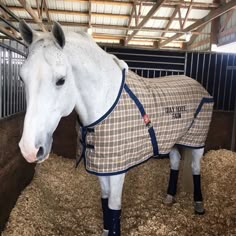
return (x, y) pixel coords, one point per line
(9, 12)
(41, 9)
(90, 13)
(139, 11)
(10, 35)
(47, 12)
(9, 24)
(121, 36)
(194, 37)
(180, 21)
(38, 7)
(215, 28)
(177, 9)
(170, 3)
(153, 10)
(69, 12)
(211, 16)
(117, 27)
(28, 8)
(4, 14)
(228, 17)
(200, 43)
(187, 13)
(171, 20)
(135, 15)
(5, 17)
(130, 20)
(229, 31)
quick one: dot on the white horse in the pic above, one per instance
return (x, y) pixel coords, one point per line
(62, 73)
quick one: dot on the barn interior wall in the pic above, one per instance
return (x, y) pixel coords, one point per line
(227, 33)
(202, 42)
(15, 172)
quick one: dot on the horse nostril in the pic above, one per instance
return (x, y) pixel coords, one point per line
(40, 152)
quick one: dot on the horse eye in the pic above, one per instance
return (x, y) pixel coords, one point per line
(60, 82)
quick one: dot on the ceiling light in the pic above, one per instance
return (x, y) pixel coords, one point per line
(188, 36)
(90, 31)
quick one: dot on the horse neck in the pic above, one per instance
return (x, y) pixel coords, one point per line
(97, 79)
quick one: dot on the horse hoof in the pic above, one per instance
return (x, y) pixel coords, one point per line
(169, 200)
(199, 208)
(105, 232)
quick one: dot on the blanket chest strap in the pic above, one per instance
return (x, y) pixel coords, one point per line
(146, 119)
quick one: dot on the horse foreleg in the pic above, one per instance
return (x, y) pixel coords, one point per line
(196, 167)
(173, 179)
(114, 204)
(105, 191)
(111, 189)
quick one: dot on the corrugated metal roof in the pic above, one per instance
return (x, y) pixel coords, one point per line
(112, 18)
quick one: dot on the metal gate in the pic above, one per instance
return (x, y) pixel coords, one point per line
(151, 63)
(215, 71)
(212, 70)
(12, 95)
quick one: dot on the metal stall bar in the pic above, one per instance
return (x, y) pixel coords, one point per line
(203, 67)
(197, 66)
(10, 81)
(12, 96)
(208, 72)
(214, 80)
(185, 63)
(234, 129)
(1, 78)
(17, 85)
(14, 81)
(4, 82)
(231, 84)
(225, 84)
(191, 66)
(219, 82)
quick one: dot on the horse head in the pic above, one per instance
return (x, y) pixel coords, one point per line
(49, 88)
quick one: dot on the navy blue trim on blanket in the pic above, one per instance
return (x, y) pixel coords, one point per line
(199, 108)
(154, 141)
(118, 172)
(113, 106)
(135, 99)
(84, 146)
(89, 128)
(143, 114)
(187, 146)
(204, 100)
(160, 156)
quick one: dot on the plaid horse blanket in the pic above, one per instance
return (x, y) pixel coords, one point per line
(148, 118)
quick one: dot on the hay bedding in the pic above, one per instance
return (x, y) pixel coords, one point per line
(64, 201)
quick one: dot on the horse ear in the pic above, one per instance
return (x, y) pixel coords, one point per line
(58, 34)
(26, 32)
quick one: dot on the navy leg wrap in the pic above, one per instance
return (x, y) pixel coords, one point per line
(105, 210)
(197, 188)
(173, 182)
(114, 229)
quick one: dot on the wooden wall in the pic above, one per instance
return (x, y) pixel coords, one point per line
(15, 172)
(221, 130)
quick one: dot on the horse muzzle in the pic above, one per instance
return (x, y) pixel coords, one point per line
(36, 153)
